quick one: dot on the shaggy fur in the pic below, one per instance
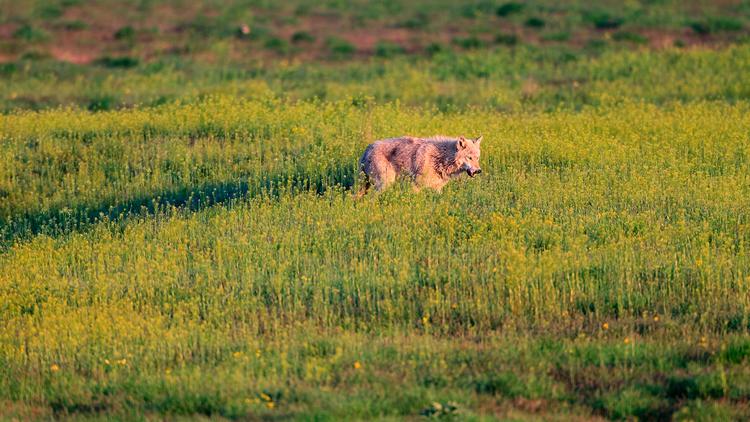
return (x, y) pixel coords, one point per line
(428, 162)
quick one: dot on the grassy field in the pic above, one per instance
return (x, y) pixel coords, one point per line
(179, 238)
(124, 33)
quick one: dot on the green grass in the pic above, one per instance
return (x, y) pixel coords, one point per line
(179, 237)
(189, 248)
(163, 28)
(565, 79)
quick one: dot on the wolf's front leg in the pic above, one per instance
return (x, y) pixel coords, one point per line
(437, 187)
(429, 181)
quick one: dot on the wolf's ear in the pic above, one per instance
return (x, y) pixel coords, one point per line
(479, 139)
(461, 144)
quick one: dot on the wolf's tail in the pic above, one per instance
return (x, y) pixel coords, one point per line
(365, 184)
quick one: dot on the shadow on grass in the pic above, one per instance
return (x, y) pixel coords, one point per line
(61, 220)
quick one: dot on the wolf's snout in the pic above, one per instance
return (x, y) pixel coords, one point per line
(474, 172)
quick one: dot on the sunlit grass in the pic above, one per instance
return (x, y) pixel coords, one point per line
(209, 258)
(193, 248)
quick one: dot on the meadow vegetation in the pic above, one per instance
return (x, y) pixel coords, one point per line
(179, 238)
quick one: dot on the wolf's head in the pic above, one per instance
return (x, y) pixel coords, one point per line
(467, 155)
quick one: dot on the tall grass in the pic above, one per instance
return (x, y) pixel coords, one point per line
(599, 248)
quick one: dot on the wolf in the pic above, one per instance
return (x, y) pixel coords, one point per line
(427, 162)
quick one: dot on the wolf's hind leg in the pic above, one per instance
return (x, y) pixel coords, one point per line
(387, 175)
(364, 187)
